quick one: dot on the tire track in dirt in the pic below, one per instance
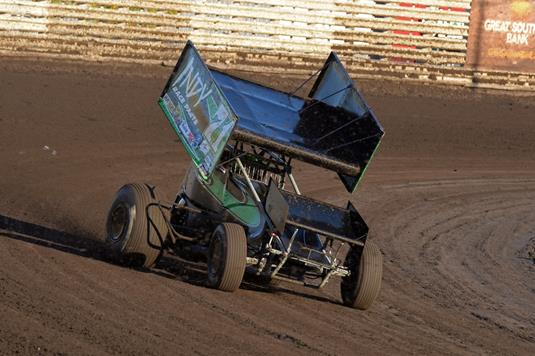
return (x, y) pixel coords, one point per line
(467, 253)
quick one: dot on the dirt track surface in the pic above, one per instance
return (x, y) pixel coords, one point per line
(450, 200)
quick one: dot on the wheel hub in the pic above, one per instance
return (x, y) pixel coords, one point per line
(216, 254)
(120, 218)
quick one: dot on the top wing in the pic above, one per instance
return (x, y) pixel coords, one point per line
(334, 128)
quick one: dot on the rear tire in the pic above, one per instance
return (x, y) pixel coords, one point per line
(227, 257)
(136, 228)
(362, 286)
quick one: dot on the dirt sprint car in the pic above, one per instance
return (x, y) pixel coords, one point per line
(239, 209)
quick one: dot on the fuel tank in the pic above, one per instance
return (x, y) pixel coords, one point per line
(226, 195)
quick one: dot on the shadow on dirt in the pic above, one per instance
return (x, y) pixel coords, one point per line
(78, 244)
(253, 285)
(84, 245)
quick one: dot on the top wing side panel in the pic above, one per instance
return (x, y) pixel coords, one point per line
(198, 110)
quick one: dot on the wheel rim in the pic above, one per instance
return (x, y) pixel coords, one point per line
(216, 256)
(120, 218)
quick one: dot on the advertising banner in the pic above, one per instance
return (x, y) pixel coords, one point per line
(197, 110)
(502, 35)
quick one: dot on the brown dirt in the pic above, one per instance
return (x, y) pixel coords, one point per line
(450, 200)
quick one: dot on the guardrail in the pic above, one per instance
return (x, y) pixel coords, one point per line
(420, 40)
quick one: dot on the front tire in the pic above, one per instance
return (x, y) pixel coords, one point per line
(362, 286)
(136, 226)
(227, 257)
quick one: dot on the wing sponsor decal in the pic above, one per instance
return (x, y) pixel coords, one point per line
(198, 110)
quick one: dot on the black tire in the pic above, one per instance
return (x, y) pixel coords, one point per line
(362, 286)
(136, 229)
(227, 257)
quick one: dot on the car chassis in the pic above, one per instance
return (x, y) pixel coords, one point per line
(234, 211)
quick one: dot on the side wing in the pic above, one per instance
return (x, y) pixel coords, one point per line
(357, 140)
(197, 110)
